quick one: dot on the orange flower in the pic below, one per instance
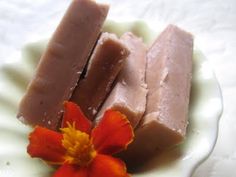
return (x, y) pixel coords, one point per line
(80, 150)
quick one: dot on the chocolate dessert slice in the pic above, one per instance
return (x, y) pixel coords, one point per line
(62, 63)
(129, 93)
(168, 77)
(104, 65)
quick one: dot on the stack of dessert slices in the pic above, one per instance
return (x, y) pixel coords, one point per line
(100, 71)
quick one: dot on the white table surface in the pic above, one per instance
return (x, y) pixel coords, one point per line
(213, 23)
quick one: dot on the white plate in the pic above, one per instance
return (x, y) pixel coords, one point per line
(205, 111)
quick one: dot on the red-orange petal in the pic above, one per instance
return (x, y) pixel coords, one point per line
(46, 144)
(113, 133)
(107, 166)
(67, 170)
(73, 114)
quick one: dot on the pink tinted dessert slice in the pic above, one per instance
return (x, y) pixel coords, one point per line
(62, 63)
(168, 77)
(106, 62)
(129, 93)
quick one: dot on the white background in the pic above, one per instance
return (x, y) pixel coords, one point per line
(213, 23)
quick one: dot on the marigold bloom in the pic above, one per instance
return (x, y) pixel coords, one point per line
(80, 150)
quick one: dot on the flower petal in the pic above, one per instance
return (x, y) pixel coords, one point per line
(104, 165)
(46, 144)
(73, 114)
(67, 170)
(113, 133)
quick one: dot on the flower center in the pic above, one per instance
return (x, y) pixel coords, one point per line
(79, 148)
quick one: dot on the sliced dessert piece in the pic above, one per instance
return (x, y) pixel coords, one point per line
(129, 93)
(62, 63)
(104, 65)
(168, 77)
